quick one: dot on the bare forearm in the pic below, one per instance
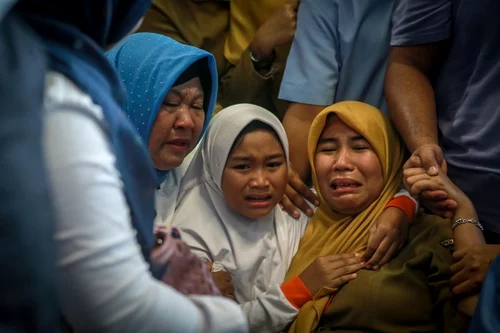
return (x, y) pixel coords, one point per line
(466, 235)
(410, 98)
(297, 121)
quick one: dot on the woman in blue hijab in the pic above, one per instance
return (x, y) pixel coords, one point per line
(172, 90)
(103, 182)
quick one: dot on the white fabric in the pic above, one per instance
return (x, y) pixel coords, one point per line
(167, 194)
(104, 284)
(257, 253)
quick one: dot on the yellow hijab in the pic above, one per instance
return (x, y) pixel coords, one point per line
(245, 18)
(330, 232)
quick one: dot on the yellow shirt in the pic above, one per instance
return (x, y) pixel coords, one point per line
(205, 24)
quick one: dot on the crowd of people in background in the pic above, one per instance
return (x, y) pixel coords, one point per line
(249, 166)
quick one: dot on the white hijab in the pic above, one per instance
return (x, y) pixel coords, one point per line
(257, 253)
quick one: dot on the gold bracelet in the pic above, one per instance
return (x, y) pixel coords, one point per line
(472, 221)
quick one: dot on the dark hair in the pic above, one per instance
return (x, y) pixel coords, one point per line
(254, 125)
(201, 70)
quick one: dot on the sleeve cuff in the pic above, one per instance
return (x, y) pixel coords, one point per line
(296, 292)
(406, 204)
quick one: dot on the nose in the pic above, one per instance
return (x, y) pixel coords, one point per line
(259, 180)
(342, 161)
(184, 119)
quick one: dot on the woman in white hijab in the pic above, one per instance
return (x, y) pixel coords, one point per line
(228, 213)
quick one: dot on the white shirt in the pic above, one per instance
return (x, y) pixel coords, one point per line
(104, 284)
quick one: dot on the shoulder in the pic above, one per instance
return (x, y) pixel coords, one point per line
(62, 93)
(430, 233)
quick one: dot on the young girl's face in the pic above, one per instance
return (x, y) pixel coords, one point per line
(255, 175)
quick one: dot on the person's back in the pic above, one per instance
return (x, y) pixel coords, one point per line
(27, 290)
(465, 36)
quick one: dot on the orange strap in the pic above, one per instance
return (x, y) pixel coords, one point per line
(296, 292)
(404, 203)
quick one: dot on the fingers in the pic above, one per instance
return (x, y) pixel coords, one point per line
(289, 207)
(374, 241)
(438, 195)
(424, 185)
(396, 246)
(459, 255)
(466, 287)
(343, 275)
(413, 163)
(293, 201)
(338, 260)
(340, 256)
(431, 157)
(380, 253)
(444, 208)
(301, 188)
(304, 191)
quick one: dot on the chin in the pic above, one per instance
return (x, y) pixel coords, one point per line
(256, 214)
(346, 208)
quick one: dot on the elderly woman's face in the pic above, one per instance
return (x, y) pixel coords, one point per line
(350, 175)
(178, 125)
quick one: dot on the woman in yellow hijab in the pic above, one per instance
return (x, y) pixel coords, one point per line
(356, 158)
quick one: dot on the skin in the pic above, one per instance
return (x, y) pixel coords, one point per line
(344, 156)
(181, 117)
(256, 167)
(278, 30)
(472, 256)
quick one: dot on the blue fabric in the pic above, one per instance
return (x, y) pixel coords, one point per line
(466, 90)
(339, 53)
(486, 318)
(149, 64)
(27, 256)
(75, 33)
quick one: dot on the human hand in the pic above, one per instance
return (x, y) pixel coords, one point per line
(387, 237)
(470, 268)
(183, 270)
(419, 182)
(278, 30)
(331, 271)
(222, 280)
(430, 158)
(295, 196)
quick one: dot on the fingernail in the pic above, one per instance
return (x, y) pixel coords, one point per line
(357, 255)
(316, 203)
(432, 169)
(309, 212)
(362, 263)
(296, 214)
(376, 268)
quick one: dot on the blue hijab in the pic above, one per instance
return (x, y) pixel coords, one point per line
(75, 34)
(149, 64)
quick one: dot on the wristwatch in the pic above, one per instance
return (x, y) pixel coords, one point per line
(263, 64)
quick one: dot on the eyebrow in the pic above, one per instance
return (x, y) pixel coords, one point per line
(354, 138)
(247, 158)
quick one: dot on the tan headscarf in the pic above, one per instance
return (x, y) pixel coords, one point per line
(330, 232)
(246, 17)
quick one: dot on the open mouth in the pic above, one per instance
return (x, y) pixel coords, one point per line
(259, 198)
(339, 184)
